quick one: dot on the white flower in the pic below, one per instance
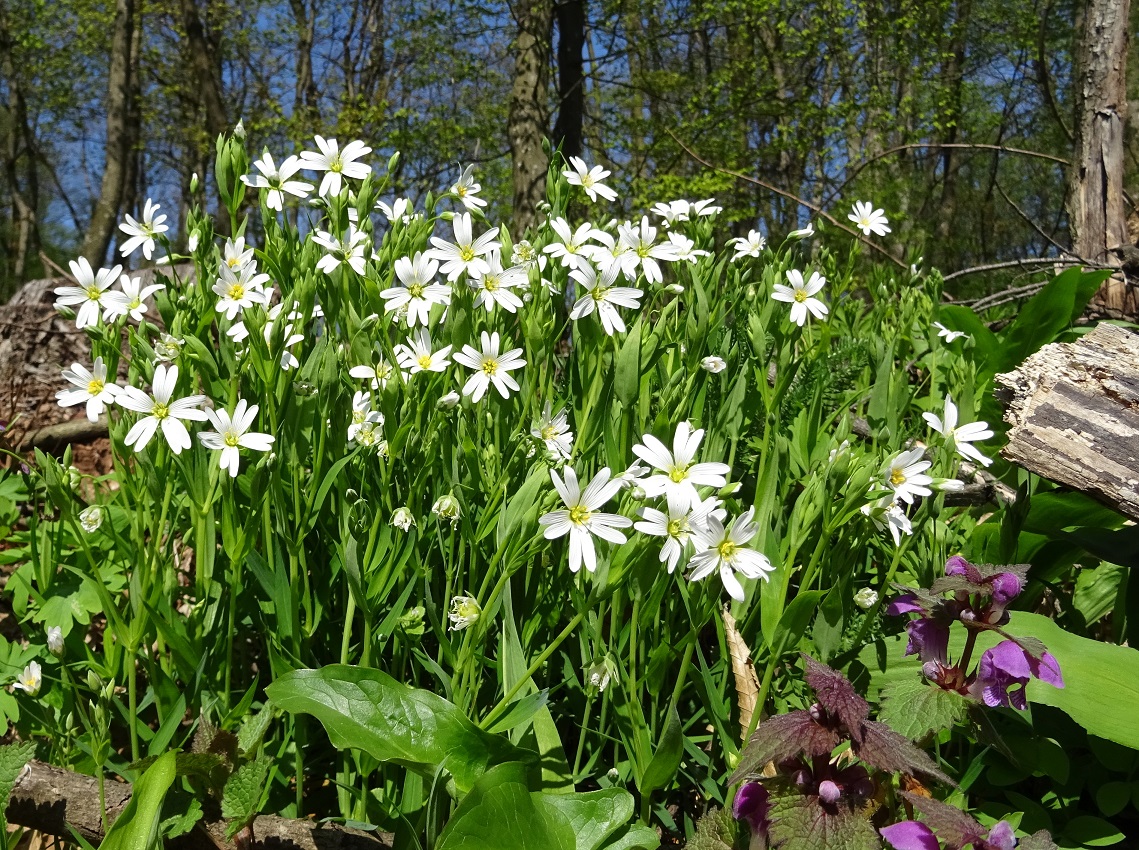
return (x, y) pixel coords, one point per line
(603, 297)
(403, 518)
(581, 518)
(143, 232)
(799, 296)
(671, 212)
(128, 302)
(467, 189)
(378, 374)
(601, 672)
(948, 335)
(749, 246)
(417, 291)
(350, 250)
(277, 181)
(802, 232)
(962, 435)
(448, 401)
(677, 472)
(838, 452)
(631, 477)
(643, 252)
(580, 174)
(526, 255)
(677, 526)
(93, 388)
(91, 517)
(866, 598)
(91, 291)
(869, 220)
(362, 414)
(161, 411)
(168, 347)
(713, 364)
(447, 507)
(685, 249)
(573, 244)
(400, 210)
(887, 515)
(416, 355)
(236, 254)
(705, 207)
(464, 613)
(233, 434)
(903, 473)
(466, 253)
(494, 286)
(726, 549)
(610, 254)
(553, 429)
(31, 680)
(490, 367)
(55, 641)
(239, 288)
(337, 163)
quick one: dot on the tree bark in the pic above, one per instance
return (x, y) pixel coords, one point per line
(527, 121)
(570, 16)
(203, 57)
(1096, 214)
(50, 799)
(120, 137)
(1074, 411)
(305, 100)
(20, 145)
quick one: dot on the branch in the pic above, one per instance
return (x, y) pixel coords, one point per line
(1008, 264)
(814, 208)
(53, 800)
(53, 438)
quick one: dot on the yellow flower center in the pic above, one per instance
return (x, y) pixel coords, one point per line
(598, 293)
(358, 416)
(135, 304)
(416, 290)
(231, 438)
(643, 250)
(460, 190)
(800, 295)
(727, 549)
(490, 366)
(466, 253)
(94, 292)
(675, 527)
(549, 432)
(160, 411)
(490, 283)
(586, 181)
(579, 515)
(236, 292)
(336, 164)
(424, 361)
(233, 262)
(94, 387)
(677, 474)
(897, 477)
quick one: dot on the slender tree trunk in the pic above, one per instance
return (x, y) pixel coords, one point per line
(953, 73)
(120, 89)
(1096, 213)
(527, 122)
(19, 145)
(203, 57)
(570, 16)
(304, 103)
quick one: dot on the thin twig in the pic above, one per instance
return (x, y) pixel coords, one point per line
(1008, 264)
(814, 208)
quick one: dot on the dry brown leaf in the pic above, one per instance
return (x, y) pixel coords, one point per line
(747, 683)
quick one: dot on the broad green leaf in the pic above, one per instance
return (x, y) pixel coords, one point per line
(666, 759)
(635, 836)
(914, 709)
(369, 710)
(241, 799)
(795, 619)
(13, 757)
(1090, 831)
(520, 710)
(593, 816)
(137, 827)
(499, 811)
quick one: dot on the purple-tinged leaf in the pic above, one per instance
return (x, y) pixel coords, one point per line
(987, 571)
(837, 695)
(1037, 841)
(800, 822)
(953, 826)
(781, 737)
(885, 749)
(955, 584)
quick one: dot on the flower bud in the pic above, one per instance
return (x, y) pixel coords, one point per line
(403, 519)
(613, 774)
(674, 288)
(866, 598)
(448, 401)
(194, 183)
(239, 130)
(55, 641)
(829, 792)
(713, 364)
(447, 507)
(74, 478)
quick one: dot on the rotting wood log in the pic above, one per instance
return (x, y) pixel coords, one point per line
(50, 799)
(1074, 412)
(54, 439)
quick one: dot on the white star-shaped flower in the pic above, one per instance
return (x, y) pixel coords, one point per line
(962, 435)
(726, 549)
(232, 434)
(92, 388)
(869, 220)
(337, 163)
(677, 471)
(580, 174)
(491, 367)
(800, 296)
(581, 519)
(162, 411)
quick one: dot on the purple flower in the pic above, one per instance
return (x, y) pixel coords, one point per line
(752, 804)
(929, 639)
(910, 835)
(907, 603)
(1001, 837)
(1006, 587)
(956, 566)
(1007, 666)
(829, 792)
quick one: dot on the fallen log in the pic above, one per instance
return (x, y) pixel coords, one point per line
(1074, 412)
(50, 799)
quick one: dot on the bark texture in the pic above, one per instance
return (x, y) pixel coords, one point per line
(568, 128)
(1096, 213)
(1074, 411)
(528, 118)
(50, 799)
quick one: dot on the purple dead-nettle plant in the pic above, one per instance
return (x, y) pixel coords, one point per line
(816, 799)
(945, 827)
(981, 594)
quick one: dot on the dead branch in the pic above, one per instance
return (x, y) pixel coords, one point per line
(51, 799)
(55, 438)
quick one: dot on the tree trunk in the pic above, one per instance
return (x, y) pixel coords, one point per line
(571, 76)
(527, 122)
(1096, 213)
(120, 136)
(1074, 411)
(19, 145)
(203, 59)
(305, 100)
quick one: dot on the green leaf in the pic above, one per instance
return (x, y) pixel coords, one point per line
(1113, 797)
(499, 811)
(666, 759)
(627, 374)
(241, 800)
(369, 710)
(799, 821)
(1090, 831)
(593, 816)
(794, 621)
(253, 730)
(717, 830)
(13, 757)
(520, 710)
(183, 822)
(914, 709)
(635, 836)
(830, 622)
(137, 827)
